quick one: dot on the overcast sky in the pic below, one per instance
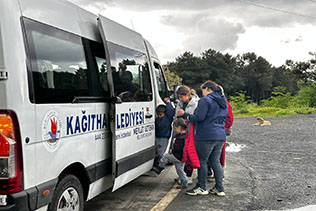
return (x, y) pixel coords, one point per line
(275, 29)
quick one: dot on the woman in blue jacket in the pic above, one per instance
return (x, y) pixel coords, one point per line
(210, 116)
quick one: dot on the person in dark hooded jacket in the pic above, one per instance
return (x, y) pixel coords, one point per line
(163, 129)
(210, 116)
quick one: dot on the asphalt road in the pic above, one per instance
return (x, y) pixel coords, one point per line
(274, 170)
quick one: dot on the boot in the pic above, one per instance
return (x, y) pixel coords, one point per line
(157, 160)
(158, 169)
(184, 184)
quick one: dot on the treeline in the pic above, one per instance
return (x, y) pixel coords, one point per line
(249, 74)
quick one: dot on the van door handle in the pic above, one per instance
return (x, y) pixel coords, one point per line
(147, 116)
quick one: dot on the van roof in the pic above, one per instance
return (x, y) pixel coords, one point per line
(55, 12)
(69, 17)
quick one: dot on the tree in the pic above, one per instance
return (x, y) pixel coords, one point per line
(307, 94)
(190, 68)
(304, 71)
(222, 69)
(172, 78)
(284, 77)
(257, 73)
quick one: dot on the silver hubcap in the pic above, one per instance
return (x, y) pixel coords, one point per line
(69, 200)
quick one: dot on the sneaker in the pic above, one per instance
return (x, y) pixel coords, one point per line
(196, 191)
(158, 169)
(177, 180)
(190, 182)
(184, 185)
(214, 191)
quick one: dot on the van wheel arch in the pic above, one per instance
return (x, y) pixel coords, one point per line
(78, 170)
(68, 194)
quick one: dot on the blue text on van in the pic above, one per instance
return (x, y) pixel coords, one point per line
(125, 120)
(85, 123)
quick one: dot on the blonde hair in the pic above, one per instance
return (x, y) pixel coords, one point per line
(193, 92)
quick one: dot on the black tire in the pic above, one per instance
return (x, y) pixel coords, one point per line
(69, 185)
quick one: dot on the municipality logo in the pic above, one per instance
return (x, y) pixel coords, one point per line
(51, 129)
(54, 132)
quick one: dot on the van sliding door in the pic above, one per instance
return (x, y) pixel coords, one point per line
(133, 143)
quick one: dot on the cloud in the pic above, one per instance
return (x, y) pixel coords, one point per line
(147, 5)
(281, 16)
(203, 31)
(297, 39)
(204, 24)
(268, 13)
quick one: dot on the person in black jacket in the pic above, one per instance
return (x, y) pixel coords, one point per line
(163, 128)
(175, 154)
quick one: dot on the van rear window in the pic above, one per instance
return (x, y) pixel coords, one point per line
(59, 67)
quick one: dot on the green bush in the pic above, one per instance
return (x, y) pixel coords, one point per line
(243, 111)
(240, 101)
(305, 110)
(280, 104)
(306, 97)
(285, 112)
(280, 98)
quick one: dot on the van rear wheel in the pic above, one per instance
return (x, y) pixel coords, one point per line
(68, 195)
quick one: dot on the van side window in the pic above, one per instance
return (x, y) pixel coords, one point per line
(130, 71)
(59, 67)
(161, 82)
(102, 74)
(97, 60)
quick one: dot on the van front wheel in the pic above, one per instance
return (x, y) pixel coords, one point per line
(68, 195)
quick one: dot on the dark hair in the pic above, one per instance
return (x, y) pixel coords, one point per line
(180, 122)
(211, 85)
(183, 90)
(161, 109)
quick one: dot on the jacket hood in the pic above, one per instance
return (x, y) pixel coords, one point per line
(194, 100)
(220, 99)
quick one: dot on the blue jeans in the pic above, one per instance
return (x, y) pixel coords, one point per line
(209, 149)
(167, 157)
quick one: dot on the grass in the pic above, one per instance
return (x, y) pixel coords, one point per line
(253, 110)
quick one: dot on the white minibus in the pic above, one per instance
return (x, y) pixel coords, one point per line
(78, 94)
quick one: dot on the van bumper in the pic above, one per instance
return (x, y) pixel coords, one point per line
(16, 201)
